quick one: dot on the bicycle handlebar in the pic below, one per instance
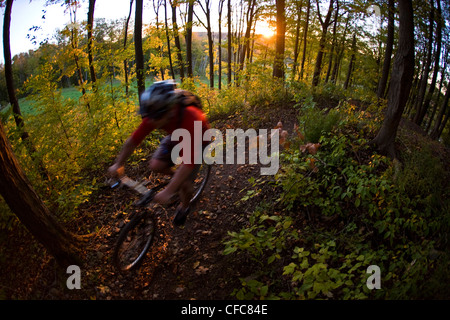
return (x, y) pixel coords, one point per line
(146, 194)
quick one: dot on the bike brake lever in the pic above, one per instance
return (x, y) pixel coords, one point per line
(114, 183)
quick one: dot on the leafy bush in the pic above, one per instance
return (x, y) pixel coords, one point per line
(348, 208)
(316, 123)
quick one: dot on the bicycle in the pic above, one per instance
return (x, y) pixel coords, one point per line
(137, 235)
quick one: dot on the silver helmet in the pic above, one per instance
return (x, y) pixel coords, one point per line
(157, 100)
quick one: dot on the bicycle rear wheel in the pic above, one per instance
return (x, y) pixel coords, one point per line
(134, 241)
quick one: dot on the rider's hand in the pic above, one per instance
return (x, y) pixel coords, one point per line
(116, 171)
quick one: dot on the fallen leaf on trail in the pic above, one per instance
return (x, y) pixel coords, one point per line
(201, 270)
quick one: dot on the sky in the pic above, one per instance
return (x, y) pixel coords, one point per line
(26, 15)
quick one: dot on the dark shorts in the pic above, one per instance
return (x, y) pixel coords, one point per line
(164, 153)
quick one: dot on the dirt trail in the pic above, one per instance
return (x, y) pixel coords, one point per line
(184, 263)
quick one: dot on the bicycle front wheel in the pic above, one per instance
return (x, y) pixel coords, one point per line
(134, 241)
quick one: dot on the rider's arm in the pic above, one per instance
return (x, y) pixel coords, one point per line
(130, 145)
(127, 149)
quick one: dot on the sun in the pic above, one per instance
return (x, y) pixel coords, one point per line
(263, 28)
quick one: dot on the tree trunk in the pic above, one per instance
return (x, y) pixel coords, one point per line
(278, 65)
(74, 44)
(229, 42)
(388, 51)
(420, 110)
(220, 43)
(401, 81)
(323, 39)
(210, 52)
(438, 125)
(169, 52)
(125, 39)
(207, 11)
(297, 38)
(305, 35)
(190, 73)
(437, 56)
(140, 72)
(340, 54)
(177, 38)
(90, 26)
(246, 45)
(9, 73)
(333, 43)
(24, 202)
(436, 103)
(352, 62)
(17, 114)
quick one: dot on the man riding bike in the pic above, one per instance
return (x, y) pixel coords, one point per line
(162, 106)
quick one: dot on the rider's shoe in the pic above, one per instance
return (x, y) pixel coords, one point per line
(180, 216)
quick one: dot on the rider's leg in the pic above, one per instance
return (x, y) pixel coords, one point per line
(187, 188)
(186, 192)
(161, 166)
(161, 161)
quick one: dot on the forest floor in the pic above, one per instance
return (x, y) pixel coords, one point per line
(183, 263)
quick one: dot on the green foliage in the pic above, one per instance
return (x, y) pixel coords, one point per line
(316, 123)
(347, 208)
(75, 134)
(267, 233)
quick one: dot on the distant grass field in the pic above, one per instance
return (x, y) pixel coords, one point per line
(27, 105)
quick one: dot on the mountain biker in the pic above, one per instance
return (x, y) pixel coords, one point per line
(162, 106)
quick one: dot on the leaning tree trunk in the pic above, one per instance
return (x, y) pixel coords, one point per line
(25, 203)
(401, 81)
(17, 114)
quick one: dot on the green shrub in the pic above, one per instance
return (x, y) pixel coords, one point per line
(316, 123)
(348, 208)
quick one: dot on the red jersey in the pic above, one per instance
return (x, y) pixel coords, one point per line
(189, 115)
